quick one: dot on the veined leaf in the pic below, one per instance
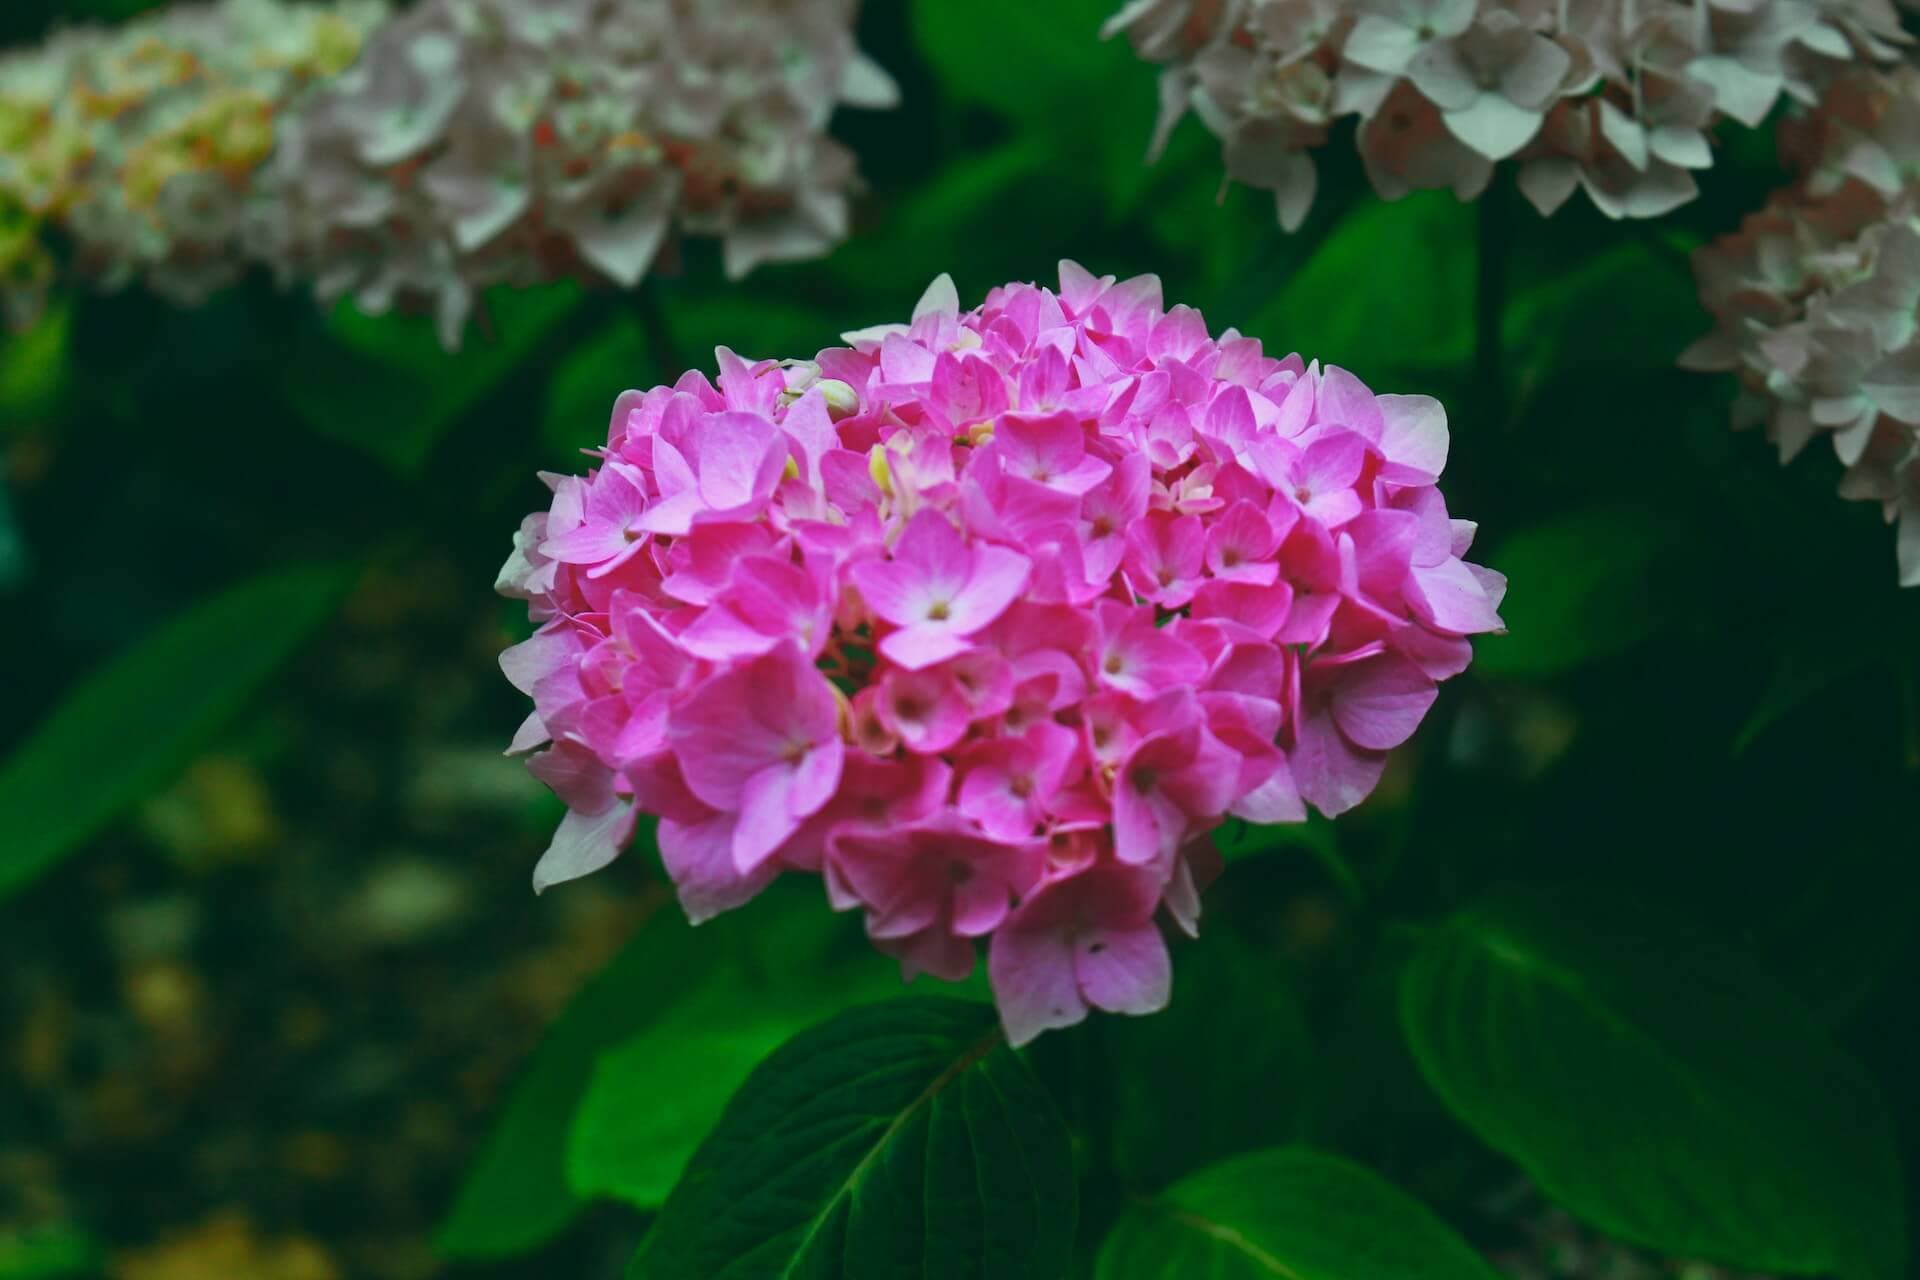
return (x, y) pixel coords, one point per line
(895, 1140)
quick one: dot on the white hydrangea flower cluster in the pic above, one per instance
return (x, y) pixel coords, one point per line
(140, 146)
(1816, 297)
(420, 159)
(1615, 97)
(487, 141)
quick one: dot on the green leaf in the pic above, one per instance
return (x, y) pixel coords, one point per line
(1022, 60)
(1018, 186)
(1290, 1213)
(34, 367)
(1581, 588)
(584, 387)
(1656, 1084)
(49, 1254)
(655, 1097)
(1644, 302)
(1243, 1081)
(516, 1195)
(900, 1139)
(126, 730)
(1389, 290)
(384, 385)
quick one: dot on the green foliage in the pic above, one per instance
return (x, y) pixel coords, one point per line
(35, 368)
(130, 726)
(1387, 295)
(887, 1139)
(654, 1097)
(988, 52)
(1654, 1083)
(1288, 1212)
(52, 1254)
(516, 1194)
(1580, 588)
(385, 386)
(1242, 1082)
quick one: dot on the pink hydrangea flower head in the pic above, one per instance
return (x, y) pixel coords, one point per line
(990, 619)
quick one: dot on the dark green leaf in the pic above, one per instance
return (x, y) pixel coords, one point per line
(585, 385)
(1389, 290)
(1642, 300)
(1657, 1085)
(516, 1194)
(127, 728)
(1290, 1213)
(1579, 588)
(655, 1097)
(51, 1254)
(384, 385)
(896, 1140)
(1243, 1081)
(1025, 60)
(34, 367)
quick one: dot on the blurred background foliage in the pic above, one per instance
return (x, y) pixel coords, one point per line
(273, 965)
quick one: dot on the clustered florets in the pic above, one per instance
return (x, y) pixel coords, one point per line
(1817, 298)
(990, 619)
(470, 142)
(1613, 96)
(140, 145)
(488, 141)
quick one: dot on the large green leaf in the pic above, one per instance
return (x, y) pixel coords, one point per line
(1657, 1084)
(1389, 290)
(1581, 587)
(1243, 1081)
(384, 385)
(895, 1140)
(1290, 1213)
(517, 1194)
(656, 1096)
(126, 729)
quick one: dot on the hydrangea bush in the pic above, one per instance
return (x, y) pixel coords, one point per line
(989, 619)
(1816, 298)
(1615, 97)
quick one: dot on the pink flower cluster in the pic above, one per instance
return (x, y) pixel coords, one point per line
(989, 619)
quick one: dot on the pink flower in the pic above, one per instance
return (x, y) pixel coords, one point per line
(989, 619)
(931, 886)
(938, 590)
(1087, 940)
(761, 741)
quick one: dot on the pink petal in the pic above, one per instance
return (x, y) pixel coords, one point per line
(1035, 987)
(1378, 703)
(1124, 970)
(698, 857)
